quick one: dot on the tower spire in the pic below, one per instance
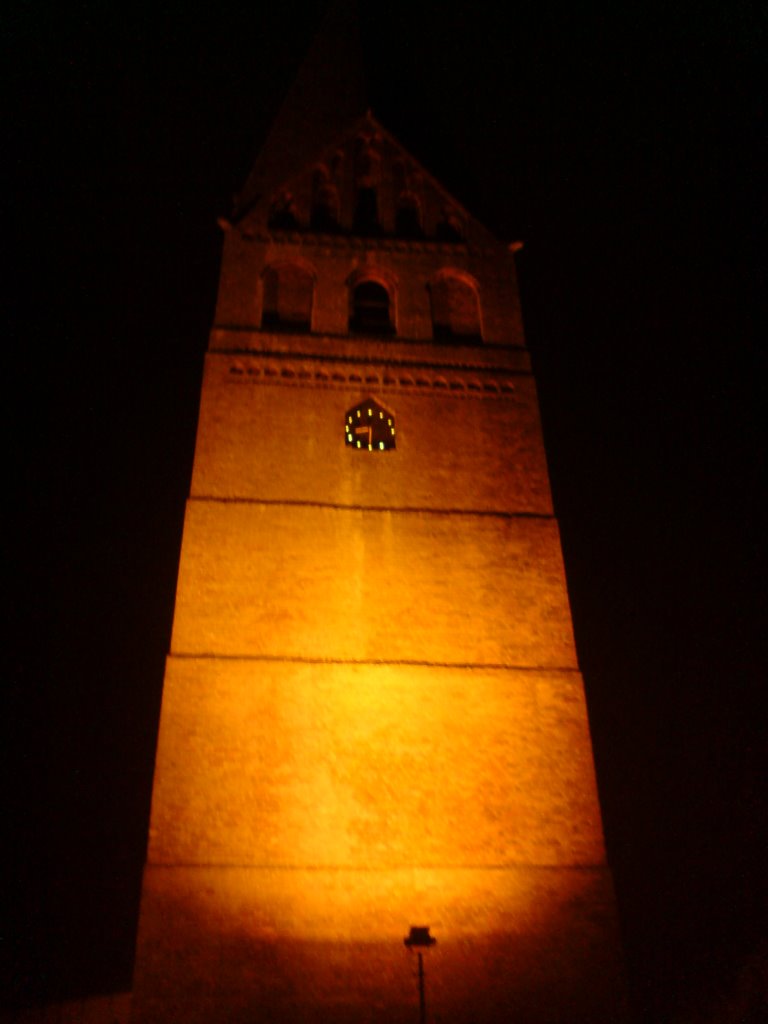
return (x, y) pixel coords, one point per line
(329, 92)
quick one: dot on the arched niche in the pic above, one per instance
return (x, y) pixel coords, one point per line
(288, 297)
(455, 309)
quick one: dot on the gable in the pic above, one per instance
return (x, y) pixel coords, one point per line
(366, 184)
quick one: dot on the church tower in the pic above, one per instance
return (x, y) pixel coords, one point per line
(373, 718)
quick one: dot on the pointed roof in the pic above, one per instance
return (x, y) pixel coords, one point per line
(328, 93)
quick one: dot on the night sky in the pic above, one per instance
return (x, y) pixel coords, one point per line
(621, 145)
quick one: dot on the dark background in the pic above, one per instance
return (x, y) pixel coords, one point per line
(621, 145)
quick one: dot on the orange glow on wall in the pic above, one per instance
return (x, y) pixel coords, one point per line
(372, 714)
(362, 765)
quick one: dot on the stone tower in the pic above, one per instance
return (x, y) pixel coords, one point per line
(372, 713)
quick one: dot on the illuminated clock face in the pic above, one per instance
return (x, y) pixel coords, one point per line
(369, 427)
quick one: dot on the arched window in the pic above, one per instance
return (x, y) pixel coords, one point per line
(408, 217)
(367, 166)
(288, 292)
(366, 220)
(325, 204)
(325, 210)
(370, 309)
(367, 162)
(282, 213)
(455, 310)
(449, 228)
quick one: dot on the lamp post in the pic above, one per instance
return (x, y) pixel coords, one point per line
(419, 940)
